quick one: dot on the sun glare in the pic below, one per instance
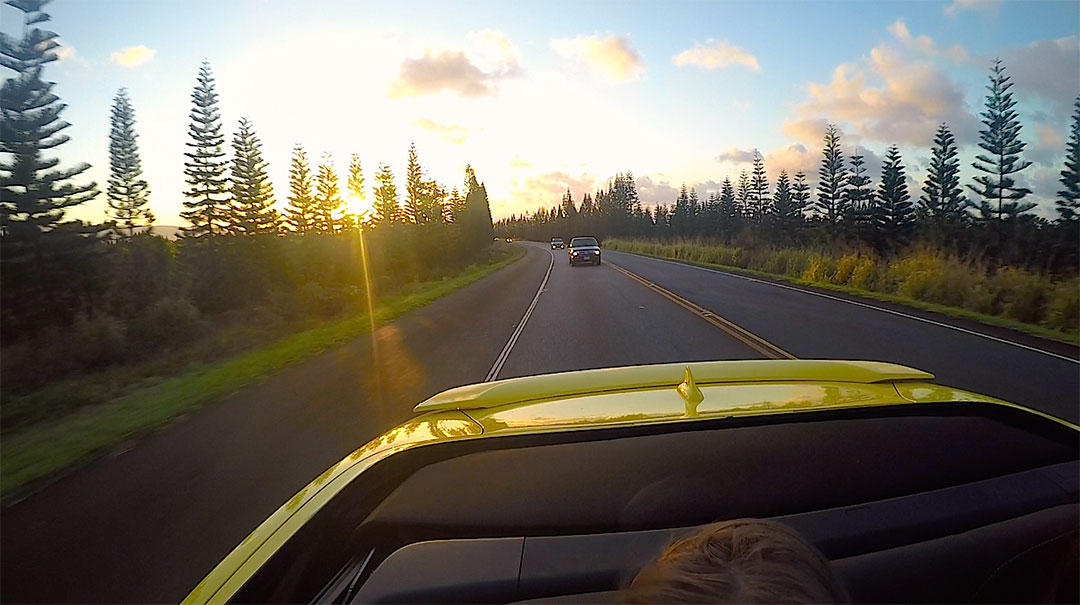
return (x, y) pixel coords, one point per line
(357, 205)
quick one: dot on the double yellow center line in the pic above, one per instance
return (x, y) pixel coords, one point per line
(749, 339)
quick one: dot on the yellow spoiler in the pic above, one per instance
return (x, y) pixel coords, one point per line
(588, 382)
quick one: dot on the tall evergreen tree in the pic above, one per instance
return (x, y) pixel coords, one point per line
(208, 210)
(1068, 204)
(895, 216)
(355, 182)
(832, 179)
(128, 194)
(300, 213)
(860, 205)
(800, 196)
(759, 190)
(742, 195)
(477, 223)
(327, 197)
(40, 252)
(943, 200)
(1001, 198)
(784, 213)
(729, 210)
(386, 206)
(252, 194)
(421, 204)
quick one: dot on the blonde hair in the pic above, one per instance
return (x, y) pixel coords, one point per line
(740, 561)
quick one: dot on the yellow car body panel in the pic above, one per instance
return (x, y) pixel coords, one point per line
(594, 399)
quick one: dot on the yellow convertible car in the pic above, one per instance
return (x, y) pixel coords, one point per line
(559, 488)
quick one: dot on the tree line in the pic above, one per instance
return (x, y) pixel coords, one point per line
(988, 217)
(114, 282)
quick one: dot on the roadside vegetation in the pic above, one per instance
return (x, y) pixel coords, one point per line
(135, 398)
(976, 248)
(99, 320)
(1014, 298)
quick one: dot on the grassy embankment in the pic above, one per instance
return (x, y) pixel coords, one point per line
(1008, 297)
(49, 446)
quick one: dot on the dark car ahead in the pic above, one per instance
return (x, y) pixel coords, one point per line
(584, 250)
(557, 243)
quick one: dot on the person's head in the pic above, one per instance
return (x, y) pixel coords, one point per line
(740, 561)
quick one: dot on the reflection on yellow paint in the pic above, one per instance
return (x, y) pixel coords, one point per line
(667, 404)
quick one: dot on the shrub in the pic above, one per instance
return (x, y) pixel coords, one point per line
(167, 322)
(97, 339)
(1063, 307)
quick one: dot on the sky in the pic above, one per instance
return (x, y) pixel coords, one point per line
(547, 95)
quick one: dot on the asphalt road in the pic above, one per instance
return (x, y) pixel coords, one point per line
(145, 523)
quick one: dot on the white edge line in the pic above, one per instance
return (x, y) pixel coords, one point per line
(501, 359)
(859, 304)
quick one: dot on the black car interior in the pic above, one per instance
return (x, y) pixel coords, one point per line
(920, 503)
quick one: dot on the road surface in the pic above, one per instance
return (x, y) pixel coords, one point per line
(145, 523)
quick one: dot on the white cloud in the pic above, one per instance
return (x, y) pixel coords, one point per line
(734, 155)
(133, 56)
(450, 133)
(887, 98)
(716, 54)
(610, 57)
(1049, 69)
(442, 70)
(957, 6)
(925, 45)
(492, 51)
(652, 192)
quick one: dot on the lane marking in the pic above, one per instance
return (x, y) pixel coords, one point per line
(740, 334)
(862, 304)
(501, 359)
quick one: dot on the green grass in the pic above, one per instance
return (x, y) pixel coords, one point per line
(1035, 330)
(48, 447)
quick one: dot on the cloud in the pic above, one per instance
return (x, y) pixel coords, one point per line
(133, 56)
(442, 70)
(546, 189)
(716, 54)
(517, 163)
(610, 57)
(733, 155)
(493, 51)
(652, 192)
(906, 107)
(979, 5)
(925, 45)
(1049, 146)
(450, 133)
(1049, 69)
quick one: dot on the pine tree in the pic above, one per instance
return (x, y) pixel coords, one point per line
(860, 205)
(327, 197)
(759, 191)
(128, 194)
(1001, 197)
(895, 216)
(800, 196)
(355, 183)
(729, 210)
(386, 206)
(40, 252)
(421, 206)
(300, 214)
(569, 209)
(784, 213)
(943, 200)
(476, 221)
(252, 194)
(831, 178)
(208, 210)
(1068, 205)
(742, 194)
